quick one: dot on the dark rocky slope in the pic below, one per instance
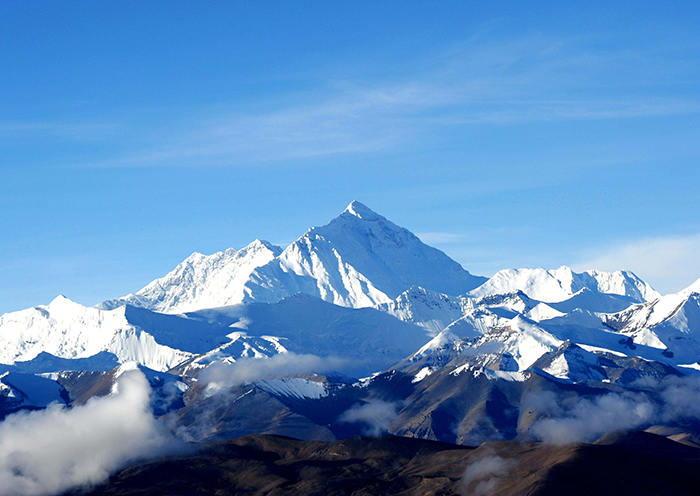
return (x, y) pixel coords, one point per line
(632, 464)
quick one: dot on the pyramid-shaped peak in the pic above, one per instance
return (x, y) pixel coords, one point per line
(260, 246)
(61, 301)
(258, 243)
(361, 211)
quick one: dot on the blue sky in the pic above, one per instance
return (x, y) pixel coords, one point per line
(133, 133)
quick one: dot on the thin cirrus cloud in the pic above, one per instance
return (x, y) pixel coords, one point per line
(521, 81)
(59, 130)
(669, 263)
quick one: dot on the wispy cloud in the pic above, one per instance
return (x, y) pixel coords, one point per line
(533, 79)
(63, 130)
(668, 263)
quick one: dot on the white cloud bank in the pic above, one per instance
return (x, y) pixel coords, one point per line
(584, 420)
(580, 419)
(667, 263)
(48, 451)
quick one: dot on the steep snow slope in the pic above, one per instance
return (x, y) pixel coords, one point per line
(595, 302)
(365, 340)
(359, 259)
(655, 312)
(560, 284)
(202, 281)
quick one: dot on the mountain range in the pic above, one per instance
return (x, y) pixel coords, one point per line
(360, 327)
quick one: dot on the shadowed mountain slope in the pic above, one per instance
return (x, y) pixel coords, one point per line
(635, 464)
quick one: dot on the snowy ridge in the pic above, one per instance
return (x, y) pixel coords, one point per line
(240, 346)
(66, 329)
(202, 281)
(670, 323)
(512, 332)
(551, 286)
(655, 312)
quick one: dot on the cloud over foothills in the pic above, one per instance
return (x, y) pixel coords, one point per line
(576, 419)
(669, 263)
(221, 376)
(584, 420)
(375, 414)
(481, 476)
(48, 451)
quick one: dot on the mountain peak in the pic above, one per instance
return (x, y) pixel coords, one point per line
(260, 244)
(61, 300)
(361, 211)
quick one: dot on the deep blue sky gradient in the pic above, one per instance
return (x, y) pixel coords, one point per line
(505, 133)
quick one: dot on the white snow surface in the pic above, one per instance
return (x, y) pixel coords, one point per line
(367, 339)
(429, 309)
(295, 387)
(422, 374)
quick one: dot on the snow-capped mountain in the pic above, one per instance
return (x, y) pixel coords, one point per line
(456, 353)
(357, 260)
(202, 281)
(561, 284)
